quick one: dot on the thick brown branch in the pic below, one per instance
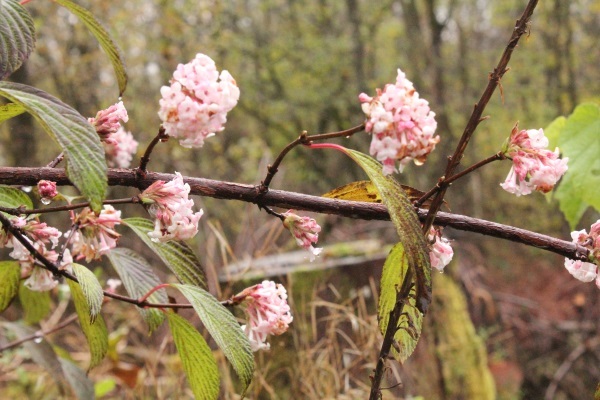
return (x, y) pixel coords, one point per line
(298, 201)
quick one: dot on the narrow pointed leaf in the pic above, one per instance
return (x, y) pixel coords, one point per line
(10, 110)
(404, 217)
(138, 278)
(11, 197)
(198, 362)
(91, 289)
(177, 255)
(82, 386)
(36, 305)
(106, 42)
(86, 166)
(410, 323)
(17, 36)
(10, 277)
(224, 329)
(96, 334)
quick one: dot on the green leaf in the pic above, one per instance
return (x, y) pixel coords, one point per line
(36, 305)
(106, 42)
(224, 329)
(11, 197)
(17, 36)
(177, 255)
(10, 110)
(411, 320)
(579, 140)
(82, 386)
(138, 278)
(406, 221)
(10, 276)
(198, 362)
(552, 131)
(96, 334)
(76, 137)
(91, 289)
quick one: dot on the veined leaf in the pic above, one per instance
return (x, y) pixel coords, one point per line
(411, 321)
(86, 166)
(17, 36)
(138, 278)
(10, 110)
(404, 217)
(224, 329)
(11, 197)
(106, 42)
(36, 305)
(91, 288)
(579, 139)
(177, 255)
(10, 276)
(198, 362)
(96, 334)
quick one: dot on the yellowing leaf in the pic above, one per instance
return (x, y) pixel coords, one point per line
(10, 276)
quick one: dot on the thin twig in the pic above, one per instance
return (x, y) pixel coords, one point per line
(68, 207)
(304, 138)
(56, 161)
(161, 136)
(494, 79)
(39, 334)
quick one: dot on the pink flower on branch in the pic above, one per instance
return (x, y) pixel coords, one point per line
(169, 204)
(305, 230)
(268, 312)
(40, 279)
(402, 125)
(107, 122)
(581, 270)
(47, 190)
(34, 230)
(195, 105)
(120, 148)
(96, 234)
(441, 252)
(534, 166)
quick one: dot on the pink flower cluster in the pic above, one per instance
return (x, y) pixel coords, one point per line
(169, 204)
(107, 122)
(96, 234)
(120, 148)
(268, 312)
(441, 252)
(305, 230)
(581, 270)
(38, 234)
(402, 125)
(534, 166)
(195, 105)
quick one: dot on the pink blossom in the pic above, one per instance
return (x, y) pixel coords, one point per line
(534, 166)
(581, 270)
(195, 105)
(107, 122)
(402, 125)
(120, 149)
(34, 230)
(40, 279)
(441, 252)
(305, 230)
(268, 312)
(96, 234)
(47, 189)
(169, 204)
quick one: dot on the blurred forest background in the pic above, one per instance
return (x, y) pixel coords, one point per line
(507, 321)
